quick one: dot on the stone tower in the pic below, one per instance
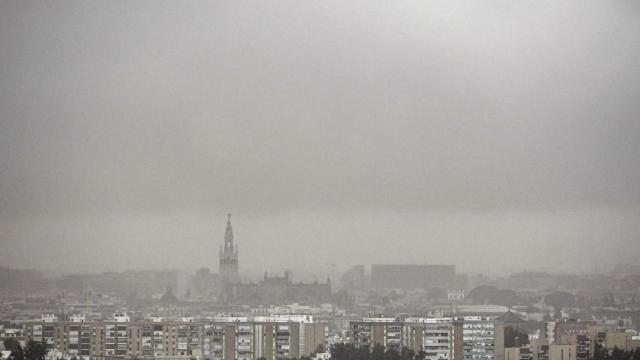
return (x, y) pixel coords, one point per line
(228, 257)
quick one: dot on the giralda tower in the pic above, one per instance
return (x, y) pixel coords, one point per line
(228, 257)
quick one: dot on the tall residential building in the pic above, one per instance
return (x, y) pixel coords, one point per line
(539, 349)
(566, 329)
(510, 333)
(229, 257)
(387, 332)
(478, 336)
(518, 353)
(439, 338)
(234, 338)
(562, 352)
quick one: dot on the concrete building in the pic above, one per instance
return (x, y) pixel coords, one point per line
(539, 349)
(562, 352)
(580, 341)
(510, 332)
(518, 353)
(439, 338)
(387, 332)
(564, 329)
(413, 276)
(621, 340)
(478, 337)
(279, 337)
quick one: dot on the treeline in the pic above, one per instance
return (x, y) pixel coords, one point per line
(616, 354)
(342, 351)
(33, 350)
(19, 279)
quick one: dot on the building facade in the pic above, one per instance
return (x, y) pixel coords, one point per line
(272, 338)
(478, 337)
(439, 338)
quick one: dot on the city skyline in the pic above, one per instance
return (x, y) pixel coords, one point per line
(319, 180)
(251, 271)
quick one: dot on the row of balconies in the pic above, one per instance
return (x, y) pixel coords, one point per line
(435, 341)
(435, 334)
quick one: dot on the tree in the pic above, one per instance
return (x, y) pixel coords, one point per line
(483, 294)
(35, 350)
(17, 353)
(436, 293)
(342, 351)
(506, 297)
(599, 352)
(420, 355)
(560, 300)
(407, 354)
(377, 353)
(361, 353)
(391, 354)
(514, 337)
(617, 354)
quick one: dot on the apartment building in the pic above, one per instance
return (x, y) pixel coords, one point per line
(478, 337)
(564, 329)
(562, 352)
(621, 340)
(11, 332)
(439, 338)
(387, 332)
(539, 349)
(46, 331)
(518, 353)
(241, 338)
(510, 332)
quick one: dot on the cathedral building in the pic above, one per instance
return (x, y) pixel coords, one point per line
(269, 290)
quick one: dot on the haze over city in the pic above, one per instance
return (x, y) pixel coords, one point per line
(496, 136)
(319, 180)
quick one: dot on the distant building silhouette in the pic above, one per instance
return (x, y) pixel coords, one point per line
(229, 272)
(409, 276)
(281, 290)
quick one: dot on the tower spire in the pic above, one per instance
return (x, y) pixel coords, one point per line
(228, 234)
(229, 257)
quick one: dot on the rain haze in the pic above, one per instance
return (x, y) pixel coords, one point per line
(496, 135)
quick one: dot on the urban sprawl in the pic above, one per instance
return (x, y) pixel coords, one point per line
(380, 312)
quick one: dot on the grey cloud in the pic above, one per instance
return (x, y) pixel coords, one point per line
(274, 109)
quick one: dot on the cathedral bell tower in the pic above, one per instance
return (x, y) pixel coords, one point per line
(229, 257)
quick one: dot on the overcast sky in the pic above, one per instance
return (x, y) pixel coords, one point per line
(495, 135)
